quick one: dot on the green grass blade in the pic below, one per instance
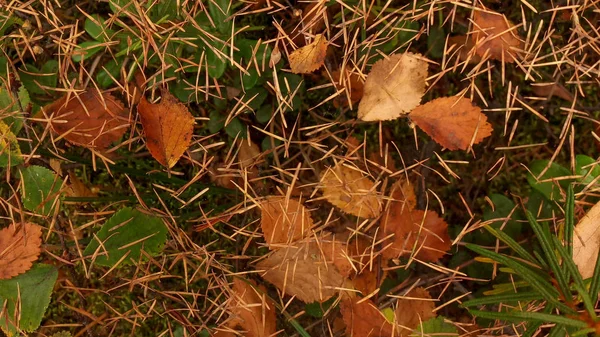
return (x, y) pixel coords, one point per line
(544, 287)
(595, 284)
(497, 299)
(545, 239)
(516, 247)
(579, 285)
(569, 219)
(584, 332)
(520, 316)
(557, 331)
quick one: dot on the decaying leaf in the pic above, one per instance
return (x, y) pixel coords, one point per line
(495, 35)
(313, 270)
(393, 87)
(89, 119)
(283, 220)
(453, 122)
(168, 127)
(467, 52)
(77, 188)
(416, 307)
(351, 191)
(423, 232)
(310, 57)
(248, 156)
(353, 84)
(251, 311)
(552, 89)
(19, 248)
(586, 242)
(364, 319)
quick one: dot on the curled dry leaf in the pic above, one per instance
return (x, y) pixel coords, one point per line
(453, 122)
(251, 311)
(313, 271)
(413, 230)
(283, 220)
(90, 119)
(586, 242)
(19, 248)
(416, 307)
(552, 89)
(393, 87)
(364, 319)
(493, 34)
(310, 57)
(351, 191)
(248, 155)
(168, 127)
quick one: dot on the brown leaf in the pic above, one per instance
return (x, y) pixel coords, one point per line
(311, 271)
(492, 31)
(89, 119)
(467, 52)
(283, 220)
(552, 89)
(364, 319)
(414, 309)
(310, 57)
(353, 84)
(248, 155)
(19, 248)
(77, 188)
(251, 311)
(351, 191)
(586, 242)
(415, 230)
(453, 122)
(393, 88)
(168, 127)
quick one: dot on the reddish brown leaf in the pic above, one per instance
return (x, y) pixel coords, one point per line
(467, 50)
(354, 88)
(19, 248)
(89, 119)
(168, 127)
(251, 311)
(283, 220)
(351, 191)
(414, 309)
(552, 89)
(310, 57)
(453, 122)
(364, 319)
(312, 270)
(494, 35)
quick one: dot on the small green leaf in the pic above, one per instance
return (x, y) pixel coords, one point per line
(236, 128)
(33, 79)
(10, 152)
(220, 11)
(216, 122)
(435, 41)
(96, 28)
(40, 188)
(127, 233)
(436, 327)
(587, 168)
(11, 107)
(503, 207)
(86, 49)
(263, 115)
(109, 71)
(34, 289)
(216, 65)
(255, 97)
(317, 309)
(547, 188)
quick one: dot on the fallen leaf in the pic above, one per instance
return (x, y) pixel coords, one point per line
(423, 232)
(351, 191)
(416, 307)
(586, 242)
(393, 88)
(77, 188)
(248, 155)
(552, 89)
(493, 32)
(364, 319)
(90, 119)
(467, 52)
(168, 127)
(251, 311)
(313, 271)
(353, 85)
(19, 248)
(283, 220)
(310, 57)
(313, 16)
(275, 56)
(453, 122)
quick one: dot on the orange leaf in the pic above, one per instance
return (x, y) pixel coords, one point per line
(168, 127)
(353, 84)
(89, 119)
(251, 311)
(492, 31)
(351, 191)
(310, 57)
(19, 248)
(414, 230)
(467, 52)
(453, 122)
(414, 309)
(283, 220)
(312, 271)
(364, 319)
(393, 88)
